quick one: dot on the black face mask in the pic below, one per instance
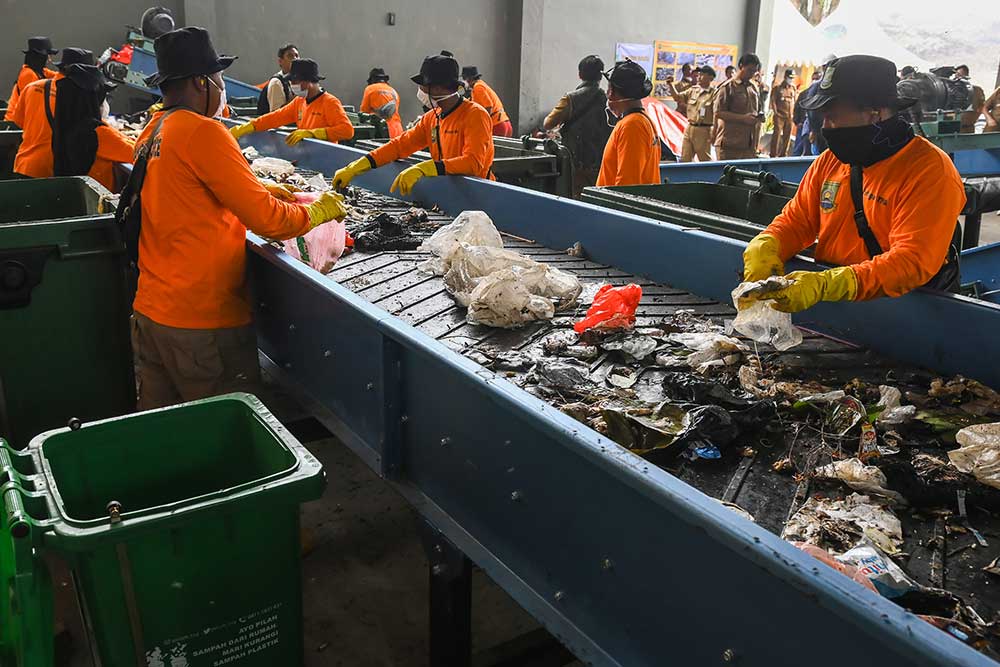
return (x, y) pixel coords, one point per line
(868, 144)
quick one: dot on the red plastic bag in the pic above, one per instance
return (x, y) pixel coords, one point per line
(613, 308)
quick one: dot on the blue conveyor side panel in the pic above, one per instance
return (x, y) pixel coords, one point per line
(624, 563)
(949, 334)
(790, 169)
(977, 162)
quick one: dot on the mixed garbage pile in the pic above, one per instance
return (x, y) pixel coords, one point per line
(889, 475)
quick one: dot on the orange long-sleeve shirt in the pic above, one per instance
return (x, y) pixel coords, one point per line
(198, 200)
(24, 77)
(460, 141)
(324, 111)
(632, 154)
(912, 201)
(488, 99)
(34, 157)
(378, 95)
(112, 147)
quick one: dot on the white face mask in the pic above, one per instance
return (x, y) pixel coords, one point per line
(423, 97)
(300, 91)
(222, 98)
(436, 101)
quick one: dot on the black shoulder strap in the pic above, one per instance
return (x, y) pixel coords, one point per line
(860, 219)
(286, 86)
(591, 103)
(48, 105)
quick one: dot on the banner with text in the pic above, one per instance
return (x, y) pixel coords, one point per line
(640, 53)
(672, 56)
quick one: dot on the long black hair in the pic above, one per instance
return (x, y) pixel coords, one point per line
(36, 62)
(74, 130)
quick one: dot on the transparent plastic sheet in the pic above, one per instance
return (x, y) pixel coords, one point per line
(272, 167)
(469, 264)
(979, 453)
(474, 228)
(518, 294)
(760, 322)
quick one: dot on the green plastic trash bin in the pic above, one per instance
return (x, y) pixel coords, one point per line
(64, 308)
(182, 529)
(10, 141)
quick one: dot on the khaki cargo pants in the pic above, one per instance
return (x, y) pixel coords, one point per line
(176, 365)
(781, 136)
(697, 143)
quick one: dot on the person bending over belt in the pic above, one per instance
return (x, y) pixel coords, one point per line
(457, 132)
(318, 114)
(192, 334)
(908, 190)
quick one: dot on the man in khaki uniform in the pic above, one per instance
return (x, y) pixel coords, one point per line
(697, 100)
(682, 86)
(738, 112)
(783, 98)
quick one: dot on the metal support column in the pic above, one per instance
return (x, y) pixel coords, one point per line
(450, 600)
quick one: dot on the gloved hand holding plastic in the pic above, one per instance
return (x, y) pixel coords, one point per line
(758, 320)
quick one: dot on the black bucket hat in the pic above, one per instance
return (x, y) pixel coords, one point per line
(74, 56)
(88, 77)
(437, 71)
(41, 46)
(377, 74)
(471, 73)
(705, 69)
(183, 53)
(305, 69)
(865, 80)
(630, 78)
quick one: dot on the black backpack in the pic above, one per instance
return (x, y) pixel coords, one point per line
(263, 106)
(128, 216)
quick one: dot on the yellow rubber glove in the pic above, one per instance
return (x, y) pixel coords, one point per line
(344, 176)
(242, 130)
(330, 206)
(409, 176)
(811, 287)
(282, 191)
(154, 107)
(298, 135)
(762, 259)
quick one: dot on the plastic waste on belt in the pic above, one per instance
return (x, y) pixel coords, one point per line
(758, 321)
(321, 247)
(979, 453)
(500, 288)
(613, 308)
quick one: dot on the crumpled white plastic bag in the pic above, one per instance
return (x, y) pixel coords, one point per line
(710, 349)
(519, 294)
(473, 228)
(272, 167)
(979, 453)
(894, 413)
(759, 321)
(503, 298)
(860, 477)
(469, 264)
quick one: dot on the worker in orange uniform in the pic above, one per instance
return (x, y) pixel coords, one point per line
(38, 54)
(632, 156)
(882, 203)
(382, 100)
(35, 109)
(192, 332)
(487, 98)
(456, 131)
(318, 114)
(82, 143)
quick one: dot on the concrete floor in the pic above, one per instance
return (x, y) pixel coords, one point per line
(365, 583)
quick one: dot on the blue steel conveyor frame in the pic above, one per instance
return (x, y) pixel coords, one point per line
(603, 548)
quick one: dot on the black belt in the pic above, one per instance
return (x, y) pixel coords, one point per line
(700, 124)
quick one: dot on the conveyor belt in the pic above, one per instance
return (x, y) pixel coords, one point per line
(392, 280)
